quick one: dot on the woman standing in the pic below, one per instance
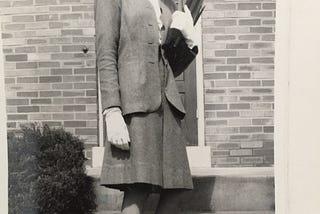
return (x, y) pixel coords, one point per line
(145, 147)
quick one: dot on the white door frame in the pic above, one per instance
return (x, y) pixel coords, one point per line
(3, 138)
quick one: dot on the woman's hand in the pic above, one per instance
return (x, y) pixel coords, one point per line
(183, 21)
(117, 131)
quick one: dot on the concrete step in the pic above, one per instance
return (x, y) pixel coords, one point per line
(220, 191)
(232, 212)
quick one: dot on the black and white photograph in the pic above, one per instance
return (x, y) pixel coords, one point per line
(159, 106)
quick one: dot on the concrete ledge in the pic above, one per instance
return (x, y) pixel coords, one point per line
(209, 172)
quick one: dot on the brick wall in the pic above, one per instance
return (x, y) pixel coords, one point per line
(238, 52)
(48, 78)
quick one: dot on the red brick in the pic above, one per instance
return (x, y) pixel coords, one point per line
(268, 129)
(249, 6)
(62, 86)
(228, 114)
(50, 79)
(82, 8)
(74, 123)
(263, 60)
(72, 32)
(239, 76)
(234, 106)
(14, 27)
(52, 123)
(48, 49)
(226, 53)
(261, 29)
(216, 122)
(225, 37)
(50, 93)
(61, 71)
(36, 41)
(26, 65)
(83, 40)
(215, 76)
(249, 98)
(27, 49)
(73, 93)
(16, 57)
(227, 160)
(239, 137)
(17, 117)
(85, 85)
(27, 94)
(49, 64)
(27, 109)
(225, 22)
(250, 22)
(59, 8)
(262, 14)
(63, 100)
(260, 45)
(60, 40)
(216, 106)
(23, 18)
(226, 68)
(85, 71)
(68, 108)
(251, 144)
(249, 37)
(86, 116)
(250, 129)
(63, 116)
(71, 16)
(252, 160)
(241, 152)
(41, 101)
(262, 90)
(238, 60)
(16, 102)
(46, 17)
(225, 6)
(86, 131)
(51, 108)
(249, 83)
(27, 80)
(45, 2)
(263, 152)
(86, 100)
(269, 6)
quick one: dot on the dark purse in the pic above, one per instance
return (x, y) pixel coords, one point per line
(175, 48)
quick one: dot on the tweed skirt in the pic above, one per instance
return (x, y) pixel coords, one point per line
(157, 158)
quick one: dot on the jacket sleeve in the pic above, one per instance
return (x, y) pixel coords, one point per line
(179, 55)
(107, 20)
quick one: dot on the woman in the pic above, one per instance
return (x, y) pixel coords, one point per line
(145, 149)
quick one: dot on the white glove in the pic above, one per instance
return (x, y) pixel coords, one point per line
(183, 21)
(117, 130)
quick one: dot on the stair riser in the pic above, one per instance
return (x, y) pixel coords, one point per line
(210, 194)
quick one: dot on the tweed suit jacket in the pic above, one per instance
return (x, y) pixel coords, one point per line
(127, 46)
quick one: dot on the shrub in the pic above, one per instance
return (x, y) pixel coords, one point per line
(59, 183)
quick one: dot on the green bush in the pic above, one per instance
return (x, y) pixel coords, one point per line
(57, 181)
